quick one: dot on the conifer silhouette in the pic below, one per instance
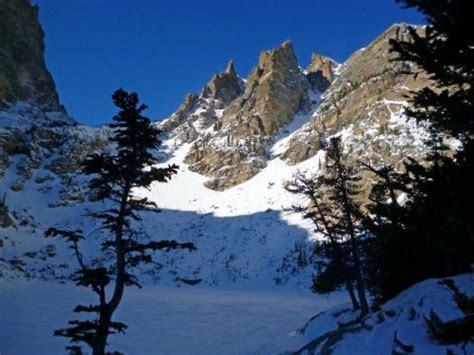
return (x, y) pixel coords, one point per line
(113, 178)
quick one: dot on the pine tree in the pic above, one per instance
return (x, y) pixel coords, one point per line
(445, 51)
(431, 234)
(113, 179)
(333, 271)
(344, 183)
(337, 218)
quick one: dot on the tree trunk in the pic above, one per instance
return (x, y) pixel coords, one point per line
(101, 342)
(364, 305)
(355, 302)
(107, 311)
(355, 254)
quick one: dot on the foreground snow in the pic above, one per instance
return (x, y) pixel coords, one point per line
(162, 320)
(398, 326)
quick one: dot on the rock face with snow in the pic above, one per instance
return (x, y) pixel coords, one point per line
(23, 73)
(35, 131)
(364, 98)
(225, 87)
(235, 152)
(370, 90)
(234, 133)
(200, 112)
(320, 72)
(276, 89)
(181, 114)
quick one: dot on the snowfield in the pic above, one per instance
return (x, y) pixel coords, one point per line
(162, 320)
(252, 269)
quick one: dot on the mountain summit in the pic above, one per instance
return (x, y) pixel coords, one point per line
(238, 142)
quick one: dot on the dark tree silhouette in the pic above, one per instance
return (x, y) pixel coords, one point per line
(445, 51)
(333, 271)
(337, 217)
(113, 178)
(344, 183)
(432, 233)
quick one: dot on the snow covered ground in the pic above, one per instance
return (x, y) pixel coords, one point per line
(400, 323)
(162, 320)
(244, 239)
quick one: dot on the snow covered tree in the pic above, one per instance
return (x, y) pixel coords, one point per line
(113, 179)
(338, 219)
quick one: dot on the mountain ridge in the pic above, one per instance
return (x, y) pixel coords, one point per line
(241, 138)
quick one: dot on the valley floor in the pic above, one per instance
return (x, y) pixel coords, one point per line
(163, 320)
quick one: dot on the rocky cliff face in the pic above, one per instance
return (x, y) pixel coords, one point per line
(366, 101)
(320, 72)
(364, 98)
(198, 113)
(236, 150)
(23, 73)
(37, 138)
(276, 89)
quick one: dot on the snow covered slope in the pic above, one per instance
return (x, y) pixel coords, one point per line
(237, 144)
(242, 234)
(399, 327)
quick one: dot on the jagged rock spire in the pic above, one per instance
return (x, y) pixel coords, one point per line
(323, 64)
(225, 86)
(275, 90)
(230, 70)
(320, 72)
(181, 113)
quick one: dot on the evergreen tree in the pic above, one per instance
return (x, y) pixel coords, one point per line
(445, 51)
(344, 186)
(336, 215)
(432, 233)
(114, 176)
(333, 270)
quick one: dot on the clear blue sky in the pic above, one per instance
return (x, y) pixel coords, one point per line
(164, 49)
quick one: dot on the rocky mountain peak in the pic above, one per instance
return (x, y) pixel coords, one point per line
(225, 86)
(280, 57)
(320, 72)
(323, 64)
(235, 151)
(276, 89)
(365, 101)
(181, 114)
(230, 69)
(23, 72)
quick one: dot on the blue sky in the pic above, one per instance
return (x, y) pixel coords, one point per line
(164, 49)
